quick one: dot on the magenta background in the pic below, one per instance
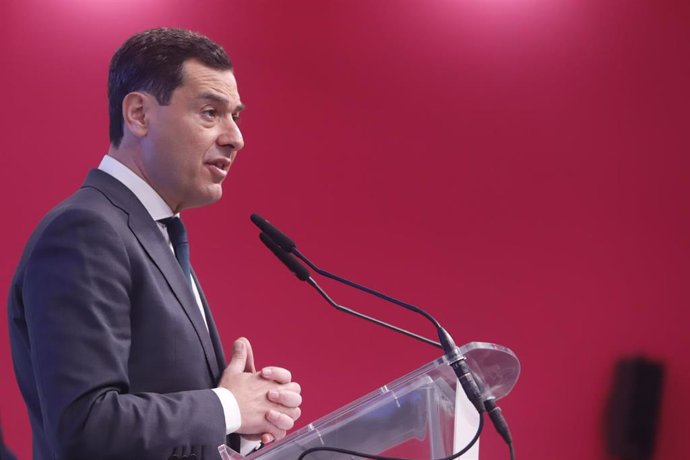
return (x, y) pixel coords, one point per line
(519, 167)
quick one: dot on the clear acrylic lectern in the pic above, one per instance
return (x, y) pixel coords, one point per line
(422, 414)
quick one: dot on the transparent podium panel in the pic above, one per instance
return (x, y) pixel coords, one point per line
(418, 415)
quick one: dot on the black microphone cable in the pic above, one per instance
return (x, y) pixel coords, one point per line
(303, 274)
(284, 244)
(379, 457)
(289, 246)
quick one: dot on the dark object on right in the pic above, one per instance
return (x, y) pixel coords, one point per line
(633, 408)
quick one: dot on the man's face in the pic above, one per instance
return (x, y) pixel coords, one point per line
(192, 142)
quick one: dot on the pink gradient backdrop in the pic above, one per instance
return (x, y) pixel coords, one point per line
(519, 167)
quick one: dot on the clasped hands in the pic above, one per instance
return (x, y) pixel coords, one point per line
(268, 400)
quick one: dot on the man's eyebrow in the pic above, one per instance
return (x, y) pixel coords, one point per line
(219, 99)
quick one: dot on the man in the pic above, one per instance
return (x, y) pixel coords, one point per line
(114, 347)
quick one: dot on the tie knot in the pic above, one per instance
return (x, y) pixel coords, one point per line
(176, 230)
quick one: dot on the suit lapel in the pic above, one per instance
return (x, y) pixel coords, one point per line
(212, 329)
(149, 236)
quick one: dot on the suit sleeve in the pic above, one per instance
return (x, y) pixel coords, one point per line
(76, 299)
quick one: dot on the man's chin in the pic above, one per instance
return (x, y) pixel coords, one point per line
(211, 197)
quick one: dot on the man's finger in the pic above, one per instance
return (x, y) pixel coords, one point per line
(285, 398)
(277, 374)
(276, 433)
(280, 420)
(293, 412)
(292, 386)
(249, 365)
(238, 362)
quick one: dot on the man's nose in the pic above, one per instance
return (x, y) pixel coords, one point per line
(231, 136)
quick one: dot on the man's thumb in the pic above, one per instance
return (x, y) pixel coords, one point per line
(239, 357)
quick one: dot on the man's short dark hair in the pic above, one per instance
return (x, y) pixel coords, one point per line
(152, 61)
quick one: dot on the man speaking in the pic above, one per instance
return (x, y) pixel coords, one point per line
(114, 346)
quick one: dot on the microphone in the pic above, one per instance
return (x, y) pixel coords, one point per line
(276, 235)
(303, 275)
(288, 259)
(289, 246)
(457, 362)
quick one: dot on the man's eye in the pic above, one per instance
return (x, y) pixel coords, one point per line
(210, 113)
(236, 117)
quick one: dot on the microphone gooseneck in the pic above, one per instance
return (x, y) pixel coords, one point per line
(288, 245)
(284, 248)
(303, 275)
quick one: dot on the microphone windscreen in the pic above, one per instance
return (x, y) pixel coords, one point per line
(290, 262)
(280, 238)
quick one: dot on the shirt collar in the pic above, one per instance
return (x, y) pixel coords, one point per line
(152, 201)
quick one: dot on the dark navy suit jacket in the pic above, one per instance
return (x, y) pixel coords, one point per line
(109, 346)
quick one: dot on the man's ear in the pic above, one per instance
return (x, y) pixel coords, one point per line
(136, 112)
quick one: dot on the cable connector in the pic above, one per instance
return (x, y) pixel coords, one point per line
(469, 385)
(498, 420)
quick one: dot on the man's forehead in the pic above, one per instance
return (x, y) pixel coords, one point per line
(210, 96)
(205, 82)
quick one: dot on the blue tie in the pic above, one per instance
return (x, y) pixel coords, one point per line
(180, 243)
